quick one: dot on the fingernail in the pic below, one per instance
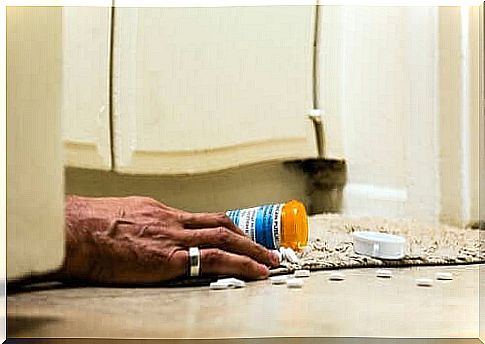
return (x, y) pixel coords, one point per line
(275, 258)
(263, 270)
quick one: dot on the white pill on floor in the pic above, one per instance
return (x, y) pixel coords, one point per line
(336, 276)
(302, 273)
(424, 282)
(447, 276)
(219, 285)
(385, 273)
(278, 279)
(294, 283)
(291, 256)
(233, 282)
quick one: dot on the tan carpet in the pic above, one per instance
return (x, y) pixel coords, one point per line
(330, 244)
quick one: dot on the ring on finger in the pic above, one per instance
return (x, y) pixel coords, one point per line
(194, 261)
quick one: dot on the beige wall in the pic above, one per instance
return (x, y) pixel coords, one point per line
(459, 114)
(400, 90)
(35, 240)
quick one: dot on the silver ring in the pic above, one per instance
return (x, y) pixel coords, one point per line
(194, 261)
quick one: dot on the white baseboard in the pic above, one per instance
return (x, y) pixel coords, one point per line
(362, 199)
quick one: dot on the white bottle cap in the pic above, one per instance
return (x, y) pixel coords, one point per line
(379, 245)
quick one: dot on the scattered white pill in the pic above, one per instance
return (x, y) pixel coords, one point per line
(278, 279)
(291, 256)
(424, 282)
(336, 276)
(294, 283)
(219, 285)
(447, 276)
(385, 273)
(302, 273)
(233, 282)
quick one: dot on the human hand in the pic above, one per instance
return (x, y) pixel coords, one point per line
(137, 240)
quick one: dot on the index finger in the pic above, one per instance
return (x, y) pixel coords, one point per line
(209, 220)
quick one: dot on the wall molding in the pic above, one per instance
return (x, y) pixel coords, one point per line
(365, 199)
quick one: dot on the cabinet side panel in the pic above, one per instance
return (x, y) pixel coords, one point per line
(35, 234)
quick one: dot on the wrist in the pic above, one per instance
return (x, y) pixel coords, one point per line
(79, 248)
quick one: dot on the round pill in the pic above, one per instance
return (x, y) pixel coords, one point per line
(233, 282)
(302, 273)
(424, 282)
(447, 276)
(336, 276)
(385, 273)
(219, 285)
(278, 279)
(294, 283)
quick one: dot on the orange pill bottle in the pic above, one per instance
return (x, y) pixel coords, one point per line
(274, 225)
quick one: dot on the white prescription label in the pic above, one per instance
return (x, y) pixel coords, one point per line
(262, 224)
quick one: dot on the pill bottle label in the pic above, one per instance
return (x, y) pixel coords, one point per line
(262, 224)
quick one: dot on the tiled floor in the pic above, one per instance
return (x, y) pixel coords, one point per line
(361, 305)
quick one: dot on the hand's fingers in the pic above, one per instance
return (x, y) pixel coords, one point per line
(227, 240)
(218, 262)
(208, 220)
